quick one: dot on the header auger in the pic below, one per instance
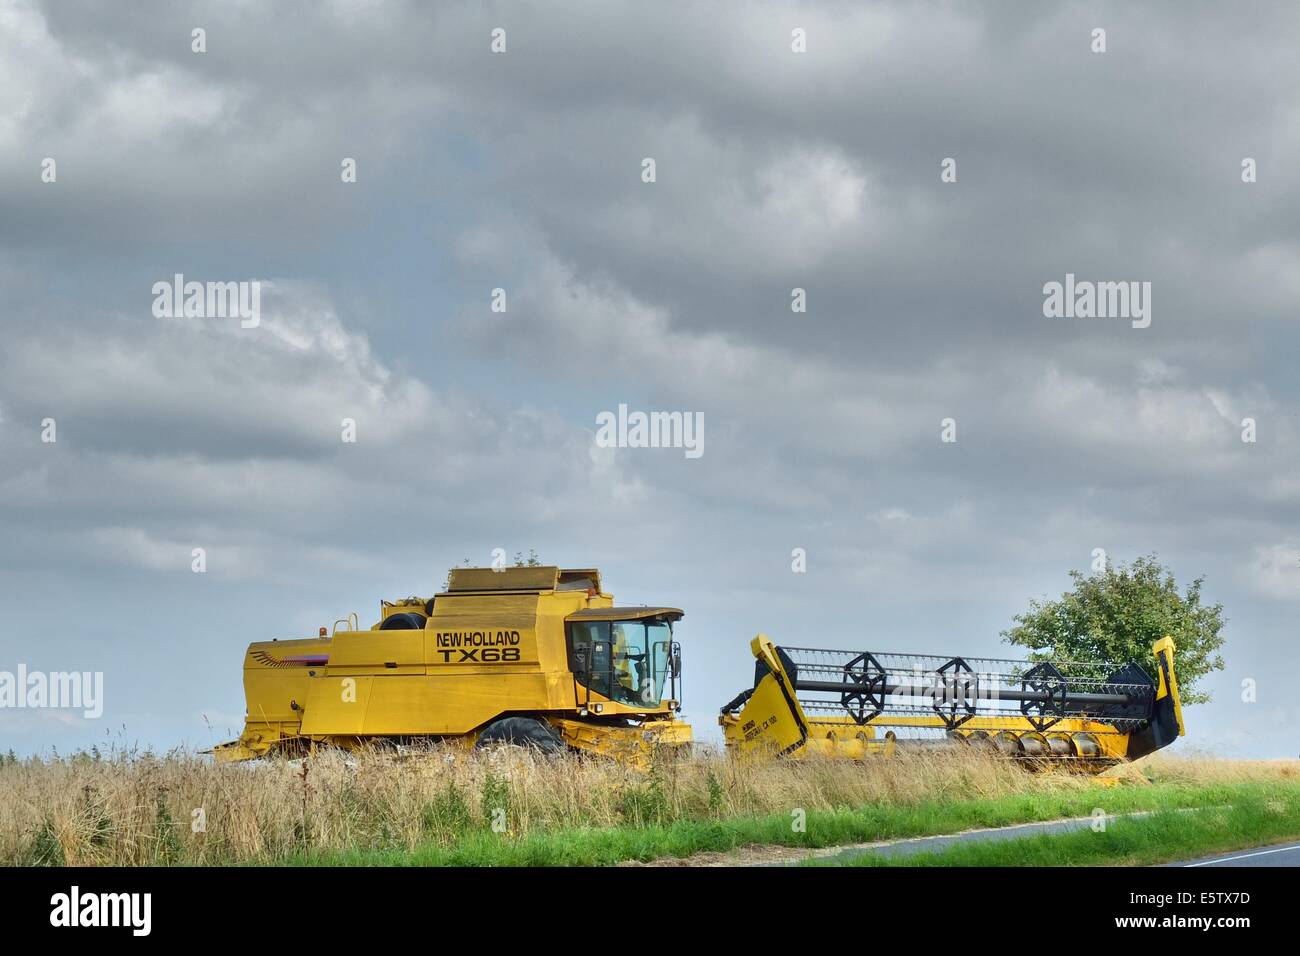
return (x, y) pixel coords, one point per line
(809, 701)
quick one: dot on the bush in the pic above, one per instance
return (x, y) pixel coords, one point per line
(1117, 614)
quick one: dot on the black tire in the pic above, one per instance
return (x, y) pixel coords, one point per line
(403, 622)
(521, 732)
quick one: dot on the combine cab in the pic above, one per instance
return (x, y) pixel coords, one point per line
(807, 701)
(535, 656)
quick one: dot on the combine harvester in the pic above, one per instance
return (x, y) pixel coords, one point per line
(533, 656)
(541, 657)
(808, 701)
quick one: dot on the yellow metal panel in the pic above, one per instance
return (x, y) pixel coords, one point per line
(480, 650)
(357, 652)
(636, 746)
(552, 647)
(485, 610)
(415, 704)
(506, 579)
(482, 633)
(337, 705)
(277, 674)
(766, 722)
(1164, 652)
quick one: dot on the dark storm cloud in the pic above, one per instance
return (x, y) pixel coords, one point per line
(522, 171)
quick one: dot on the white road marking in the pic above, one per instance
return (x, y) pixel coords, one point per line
(1226, 859)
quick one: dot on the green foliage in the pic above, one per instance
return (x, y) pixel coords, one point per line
(167, 844)
(715, 793)
(496, 799)
(45, 849)
(1117, 614)
(680, 838)
(447, 816)
(1257, 817)
(645, 804)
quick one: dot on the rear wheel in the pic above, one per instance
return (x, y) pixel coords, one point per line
(521, 732)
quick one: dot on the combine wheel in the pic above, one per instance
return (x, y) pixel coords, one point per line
(521, 732)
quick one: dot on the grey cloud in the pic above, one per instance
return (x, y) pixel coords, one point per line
(522, 171)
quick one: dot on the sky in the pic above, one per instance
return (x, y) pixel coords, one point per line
(774, 170)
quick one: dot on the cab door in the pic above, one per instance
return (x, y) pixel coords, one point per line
(589, 642)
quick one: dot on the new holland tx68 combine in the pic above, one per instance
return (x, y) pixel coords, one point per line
(535, 656)
(541, 657)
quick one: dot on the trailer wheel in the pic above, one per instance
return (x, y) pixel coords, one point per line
(521, 732)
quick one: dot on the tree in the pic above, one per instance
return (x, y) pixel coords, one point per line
(1117, 614)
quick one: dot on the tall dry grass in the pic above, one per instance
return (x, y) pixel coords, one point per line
(128, 808)
(1204, 769)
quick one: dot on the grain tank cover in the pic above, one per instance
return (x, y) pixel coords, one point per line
(506, 579)
(528, 578)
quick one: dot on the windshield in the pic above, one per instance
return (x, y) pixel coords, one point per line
(629, 659)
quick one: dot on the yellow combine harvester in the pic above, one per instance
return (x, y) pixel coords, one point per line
(808, 701)
(541, 657)
(535, 656)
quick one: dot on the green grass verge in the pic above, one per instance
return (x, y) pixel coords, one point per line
(1256, 817)
(682, 838)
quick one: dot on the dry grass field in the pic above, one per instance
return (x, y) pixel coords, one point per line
(127, 808)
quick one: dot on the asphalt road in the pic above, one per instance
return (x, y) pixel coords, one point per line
(1284, 854)
(936, 843)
